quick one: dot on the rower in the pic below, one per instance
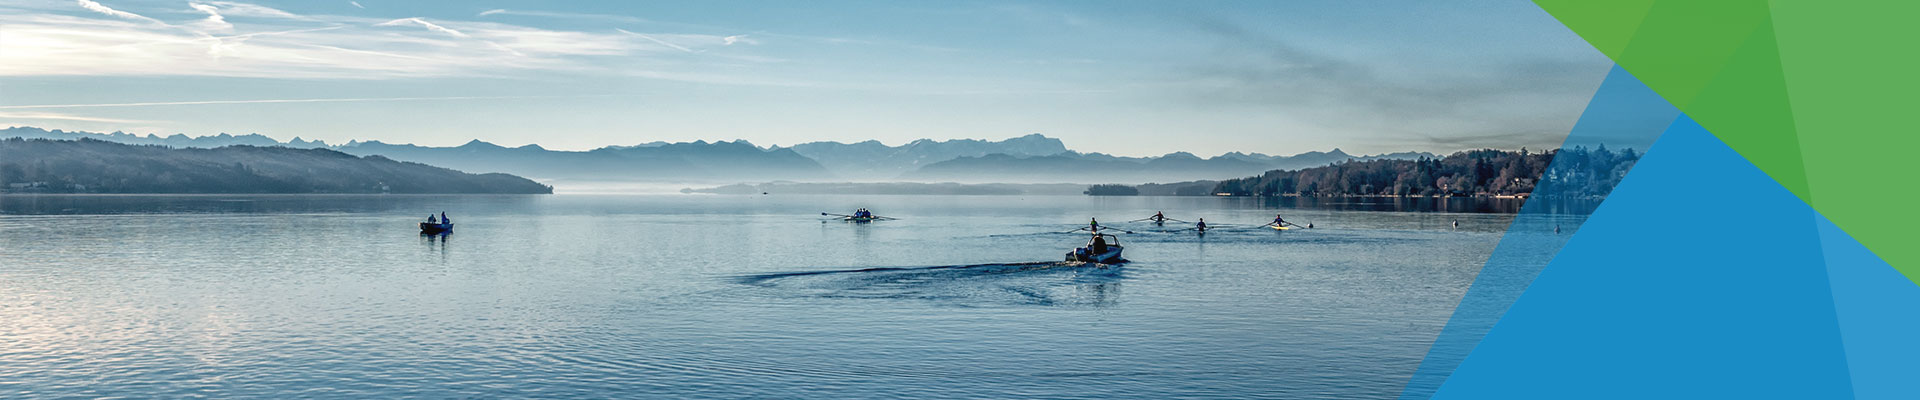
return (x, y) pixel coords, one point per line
(1093, 224)
(1159, 217)
(431, 219)
(1277, 221)
(444, 219)
(1201, 226)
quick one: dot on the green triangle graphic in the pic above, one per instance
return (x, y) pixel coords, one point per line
(1849, 69)
(1746, 106)
(1676, 54)
(1608, 25)
(1816, 94)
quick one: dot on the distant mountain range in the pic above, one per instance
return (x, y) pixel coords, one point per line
(95, 166)
(1095, 167)
(873, 161)
(1027, 159)
(698, 161)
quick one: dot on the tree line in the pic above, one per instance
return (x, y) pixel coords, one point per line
(95, 166)
(1573, 172)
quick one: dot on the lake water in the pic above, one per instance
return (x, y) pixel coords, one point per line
(716, 296)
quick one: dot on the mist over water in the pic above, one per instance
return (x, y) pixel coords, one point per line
(723, 296)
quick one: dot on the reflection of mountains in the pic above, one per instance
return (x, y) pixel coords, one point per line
(1030, 158)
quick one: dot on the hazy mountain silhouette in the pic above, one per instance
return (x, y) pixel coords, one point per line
(1027, 159)
(1097, 168)
(698, 161)
(94, 166)
(175, 140)
(873, 161)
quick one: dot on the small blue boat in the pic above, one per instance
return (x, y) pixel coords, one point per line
(434, 229)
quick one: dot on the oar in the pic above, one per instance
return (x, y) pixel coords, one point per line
(1296, 225)
(837, 215)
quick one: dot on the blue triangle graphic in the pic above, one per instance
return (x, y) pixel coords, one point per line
(1624, 114)
(1876, 307)
(1700, 277)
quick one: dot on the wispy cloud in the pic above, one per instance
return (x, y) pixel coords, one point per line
(214, 21)
(103, 9)
(253, 10)
(423, 23)
(45, 116)
(356, 4)
(272, 101)
(561, 15)
(236, 39)
(1437, 107)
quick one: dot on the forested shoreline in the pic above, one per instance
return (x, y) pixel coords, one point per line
(95, 166)
(1580, 172)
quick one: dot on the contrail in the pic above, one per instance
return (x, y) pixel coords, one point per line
(661, 42)
(192, 103)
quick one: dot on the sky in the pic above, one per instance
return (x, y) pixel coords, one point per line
(1121, 77)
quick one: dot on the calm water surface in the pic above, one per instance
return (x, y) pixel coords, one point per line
(715, 296)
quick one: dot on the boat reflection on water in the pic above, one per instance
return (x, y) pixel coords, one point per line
(437, 242)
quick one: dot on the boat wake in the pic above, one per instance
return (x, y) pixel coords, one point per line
(1033, 283)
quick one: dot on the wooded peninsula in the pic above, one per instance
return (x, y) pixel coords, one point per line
(1575, 172)
(94, 166)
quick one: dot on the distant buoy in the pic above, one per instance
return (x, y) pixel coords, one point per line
(1556, 229)
(1456, 223)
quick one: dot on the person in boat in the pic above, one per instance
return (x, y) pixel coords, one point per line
(1201, 226)
(1093, 224)
(443, 218)
(1159, 217)
(1277, 221)
(1099, 245)
(431, 219)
